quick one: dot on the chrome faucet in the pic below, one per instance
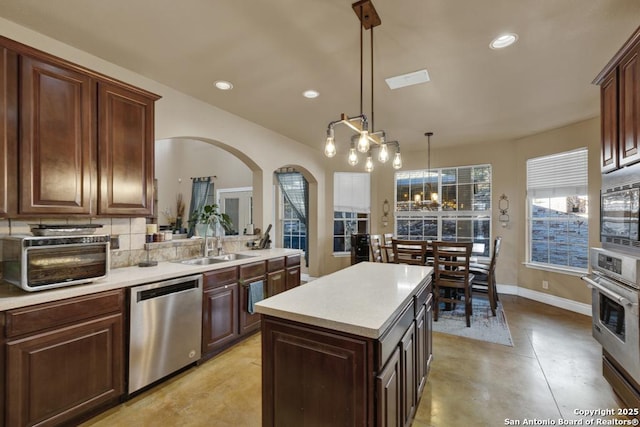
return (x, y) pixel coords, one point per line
(206, 249)
(208, 246)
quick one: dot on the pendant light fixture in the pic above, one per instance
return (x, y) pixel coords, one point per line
(365, 141)
(432, 202)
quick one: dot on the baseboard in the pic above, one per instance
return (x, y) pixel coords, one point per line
(564, 303)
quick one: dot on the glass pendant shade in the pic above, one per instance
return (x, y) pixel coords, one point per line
(368, 166)
(353, 156)
(330, 147)
(363, 142)
(383, 154)
(397, 161)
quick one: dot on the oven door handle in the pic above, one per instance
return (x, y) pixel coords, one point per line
(614, 296)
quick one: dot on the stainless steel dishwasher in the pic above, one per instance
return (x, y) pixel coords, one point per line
(165, 329)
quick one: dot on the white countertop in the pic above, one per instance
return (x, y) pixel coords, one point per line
(13, 297)
(362, 299)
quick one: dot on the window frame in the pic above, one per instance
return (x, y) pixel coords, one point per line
(440, 216)
(530, 218)
(359, 216)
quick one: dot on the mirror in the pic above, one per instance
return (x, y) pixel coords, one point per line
(177, 160)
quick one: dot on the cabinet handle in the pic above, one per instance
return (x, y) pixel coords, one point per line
(277, 277)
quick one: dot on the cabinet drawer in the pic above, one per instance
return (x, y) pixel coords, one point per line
(248, 271)
(293, 260)
(221, 277)
(55, 314)
(275, 264)
(389, 341)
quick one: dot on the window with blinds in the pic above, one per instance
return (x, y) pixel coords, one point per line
(351, 208)
(558, 211)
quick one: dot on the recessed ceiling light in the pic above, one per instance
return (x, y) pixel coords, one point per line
(224, 85)
(310, 93)
(409, 79)
(503, 41)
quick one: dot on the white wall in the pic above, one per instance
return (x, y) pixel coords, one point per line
(178, 160)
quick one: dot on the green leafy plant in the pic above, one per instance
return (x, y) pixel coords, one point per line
(211, 215)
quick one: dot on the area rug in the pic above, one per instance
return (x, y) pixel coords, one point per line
(484, 326)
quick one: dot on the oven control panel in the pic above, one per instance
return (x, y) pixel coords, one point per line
(610, 263)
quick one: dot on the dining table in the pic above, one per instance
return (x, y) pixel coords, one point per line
(477, 249)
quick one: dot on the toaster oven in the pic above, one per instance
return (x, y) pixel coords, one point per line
(37, 263)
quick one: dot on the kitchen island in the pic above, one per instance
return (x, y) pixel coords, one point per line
(352, 348)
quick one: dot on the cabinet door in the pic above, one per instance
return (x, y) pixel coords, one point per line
(421, 350)
(408, 378)
(293, 277)
(276, 283)
(8, 131)
(388, 393)
(57, 143)
(609, 123)
(629, 108)
(219, 318)
(56, 376)
(125, 142)
(429, 332)
(248, 322)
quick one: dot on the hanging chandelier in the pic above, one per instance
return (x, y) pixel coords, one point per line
(365, 140)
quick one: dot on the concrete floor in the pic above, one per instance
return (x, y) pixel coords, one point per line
(552, 371)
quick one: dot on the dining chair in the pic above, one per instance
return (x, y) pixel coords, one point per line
(388, 251)
(485, 276)
(452, 278)
(375, 246)
(409, 251)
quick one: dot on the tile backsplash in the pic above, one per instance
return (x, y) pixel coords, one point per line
(132, 246)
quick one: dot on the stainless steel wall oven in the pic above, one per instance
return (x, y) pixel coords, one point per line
(615, 288)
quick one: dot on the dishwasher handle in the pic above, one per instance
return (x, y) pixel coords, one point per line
(168, 288)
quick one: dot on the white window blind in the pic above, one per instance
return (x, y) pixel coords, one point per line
(558, 175)
(351, 192)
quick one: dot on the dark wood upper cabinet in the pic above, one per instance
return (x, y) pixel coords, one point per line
(126, 151)
(620, 107)
(629, 105)
(56, 140)
(8, 130)
(609, 127)
(74, 142)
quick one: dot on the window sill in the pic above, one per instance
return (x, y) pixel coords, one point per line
(562, 270)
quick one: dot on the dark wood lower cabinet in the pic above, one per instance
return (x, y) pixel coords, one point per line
(56, 376)
(276, 283)
(250, 273)
(321, 377)
(313, 376)
(220, 318)
(389, 393)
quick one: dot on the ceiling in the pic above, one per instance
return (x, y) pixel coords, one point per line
(274, 50)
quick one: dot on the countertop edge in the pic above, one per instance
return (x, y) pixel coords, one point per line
(12, 296)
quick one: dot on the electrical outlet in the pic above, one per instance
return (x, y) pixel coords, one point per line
(115, 241)
(545, 284)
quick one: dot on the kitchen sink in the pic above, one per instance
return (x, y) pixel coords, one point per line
(215, 259)
(232, 257)
(202, 261)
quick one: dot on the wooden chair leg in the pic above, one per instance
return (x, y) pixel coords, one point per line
(436, 304)
(467, 307)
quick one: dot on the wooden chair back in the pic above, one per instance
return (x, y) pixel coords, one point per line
(375, 247)
(485, 278)
(388, 252)
(452, 279)
(409, 251)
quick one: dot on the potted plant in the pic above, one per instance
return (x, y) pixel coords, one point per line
(211, 215)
